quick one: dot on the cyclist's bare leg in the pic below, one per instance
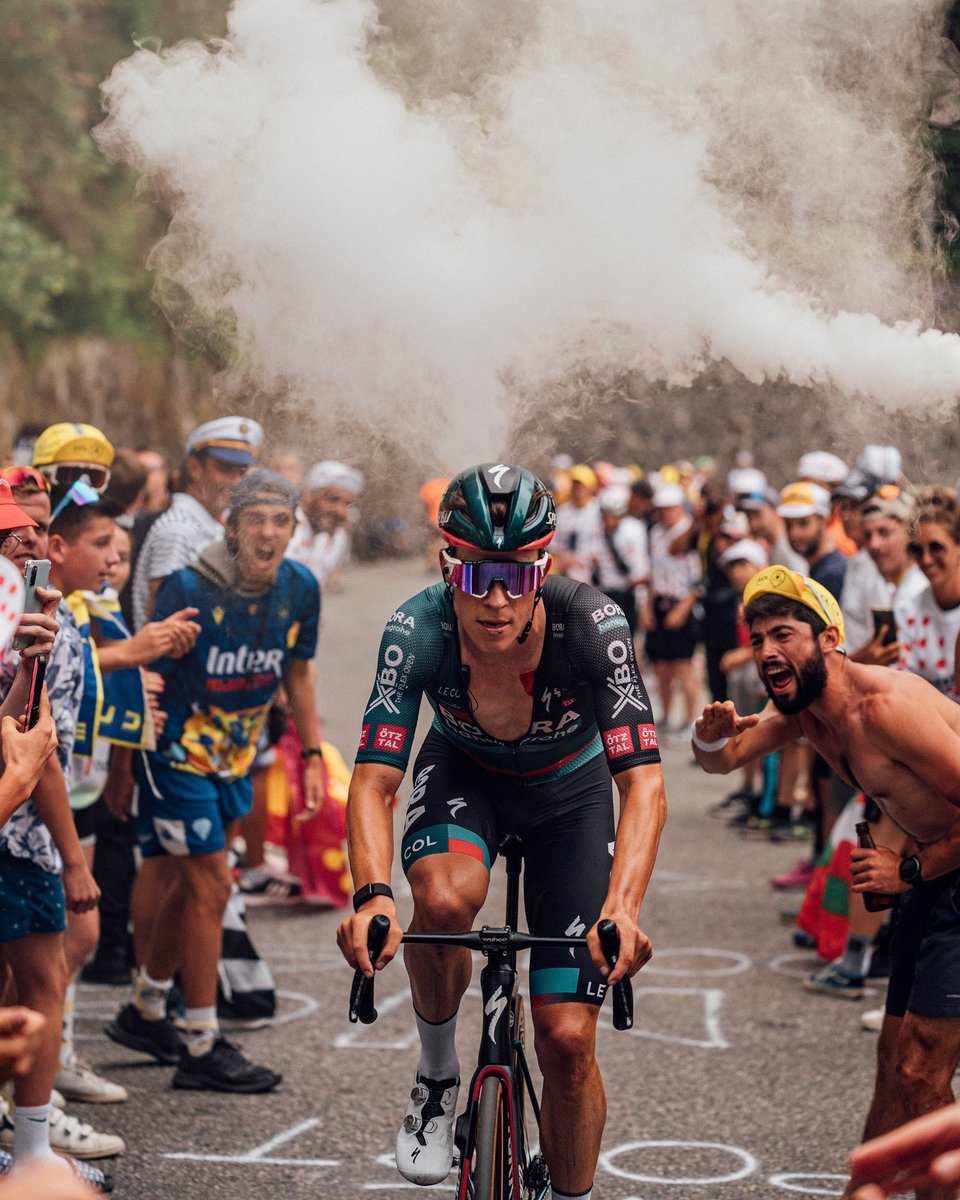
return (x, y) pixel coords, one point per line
(448, 892)
(574, 1106)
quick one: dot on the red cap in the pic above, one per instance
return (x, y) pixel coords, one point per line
(11, 517)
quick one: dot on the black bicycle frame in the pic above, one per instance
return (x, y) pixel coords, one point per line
(500, 1042)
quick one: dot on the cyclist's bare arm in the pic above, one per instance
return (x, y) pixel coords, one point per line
(643, 810)
(370, 847)
(750, 737)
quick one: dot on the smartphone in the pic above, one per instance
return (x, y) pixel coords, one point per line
(36, 688)
(884, 619)
(36, 574)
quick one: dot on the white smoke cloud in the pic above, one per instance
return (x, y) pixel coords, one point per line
(399, 207)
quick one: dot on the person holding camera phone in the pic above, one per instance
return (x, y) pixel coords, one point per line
(880, 576)
(42, 866)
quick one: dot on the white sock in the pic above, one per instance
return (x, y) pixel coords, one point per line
(150, 995)
(438, 1049)
(571, 1195)
(201, 1029)
(31, 1133)
(66, 1037)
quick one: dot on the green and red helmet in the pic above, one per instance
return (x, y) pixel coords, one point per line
(497, 507)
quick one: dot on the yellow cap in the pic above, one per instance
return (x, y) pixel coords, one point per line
(669, 474)
(581, 473)
(781, 581)
(68, 443)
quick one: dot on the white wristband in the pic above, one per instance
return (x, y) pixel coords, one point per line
(708, 747)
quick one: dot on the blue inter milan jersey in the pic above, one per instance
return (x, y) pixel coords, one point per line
(217, 697)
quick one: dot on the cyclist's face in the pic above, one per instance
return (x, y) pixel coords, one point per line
(493, 622)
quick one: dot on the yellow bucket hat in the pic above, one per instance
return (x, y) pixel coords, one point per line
(781, 581)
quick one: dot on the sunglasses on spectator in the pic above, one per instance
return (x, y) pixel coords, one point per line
(477, 578)
(62, 475)
(25, 477)
(917, 549)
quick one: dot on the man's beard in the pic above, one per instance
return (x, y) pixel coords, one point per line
(811, 680)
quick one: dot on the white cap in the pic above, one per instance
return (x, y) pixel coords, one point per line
(236, 440)
(883, 462)
(746, 550)
(822, 467)
(669, 495)
(614, 499)
(333, 474)
(743, 481)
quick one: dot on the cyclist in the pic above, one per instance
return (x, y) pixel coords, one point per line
(537, 701)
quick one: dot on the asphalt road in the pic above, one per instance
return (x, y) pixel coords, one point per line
(734, 1083)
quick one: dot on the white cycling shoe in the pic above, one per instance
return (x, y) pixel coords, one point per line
(425, 1141)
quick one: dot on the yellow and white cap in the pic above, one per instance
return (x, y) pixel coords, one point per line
(68, 442)
(235, 440)
(781, 581)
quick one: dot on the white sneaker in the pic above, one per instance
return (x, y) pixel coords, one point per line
(69, 1135)
(872, 1020)
(425, 1141)
(79, 1081)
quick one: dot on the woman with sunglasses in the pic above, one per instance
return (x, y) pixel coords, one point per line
(537, 702)
(928, 624)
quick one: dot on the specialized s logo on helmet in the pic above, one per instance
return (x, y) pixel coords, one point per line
(497, 473)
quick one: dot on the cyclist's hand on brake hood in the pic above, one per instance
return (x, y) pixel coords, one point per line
(352, 935)
(636, 949)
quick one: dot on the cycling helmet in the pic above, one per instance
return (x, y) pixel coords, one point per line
(465, 517)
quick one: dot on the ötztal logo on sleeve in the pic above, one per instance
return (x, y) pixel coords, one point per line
(618, 741)
(390, 738)
(648, 737)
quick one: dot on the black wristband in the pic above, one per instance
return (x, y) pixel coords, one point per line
(311, 752)
(368, 891)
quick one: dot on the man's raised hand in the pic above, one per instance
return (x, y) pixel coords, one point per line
(721, 720)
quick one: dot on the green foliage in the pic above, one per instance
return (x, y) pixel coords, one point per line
(74, 237)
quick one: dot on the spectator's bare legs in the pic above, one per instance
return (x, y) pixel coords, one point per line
(155, 904)
(685, 676)
(40, 972)
(663, 672)
(916, 1059)
(207, 883)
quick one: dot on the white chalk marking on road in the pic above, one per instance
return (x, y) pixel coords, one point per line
(261, 1154)
(791, 1183)
(712, 1003)
(807, 965)
(739, 962)
(748, 1164)
(308, 1006)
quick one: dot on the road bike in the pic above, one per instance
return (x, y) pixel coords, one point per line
(498, 1158)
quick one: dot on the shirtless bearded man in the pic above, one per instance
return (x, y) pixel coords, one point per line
(896, 738)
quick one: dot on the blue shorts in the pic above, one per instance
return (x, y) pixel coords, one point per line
(925, 950)
(179, 812)
(31, 900)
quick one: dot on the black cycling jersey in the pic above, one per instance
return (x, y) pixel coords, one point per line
(588, 696)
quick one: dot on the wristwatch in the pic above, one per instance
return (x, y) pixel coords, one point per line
(368, 891)
(910, 870)
(311, 752)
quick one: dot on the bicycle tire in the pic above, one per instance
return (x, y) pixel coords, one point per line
(491, 1167)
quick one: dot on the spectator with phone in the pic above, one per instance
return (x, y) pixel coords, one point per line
(879, 576)
(42, 867)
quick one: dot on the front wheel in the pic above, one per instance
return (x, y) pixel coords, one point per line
(491, 1165)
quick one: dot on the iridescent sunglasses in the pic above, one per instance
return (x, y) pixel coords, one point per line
(477, 578)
